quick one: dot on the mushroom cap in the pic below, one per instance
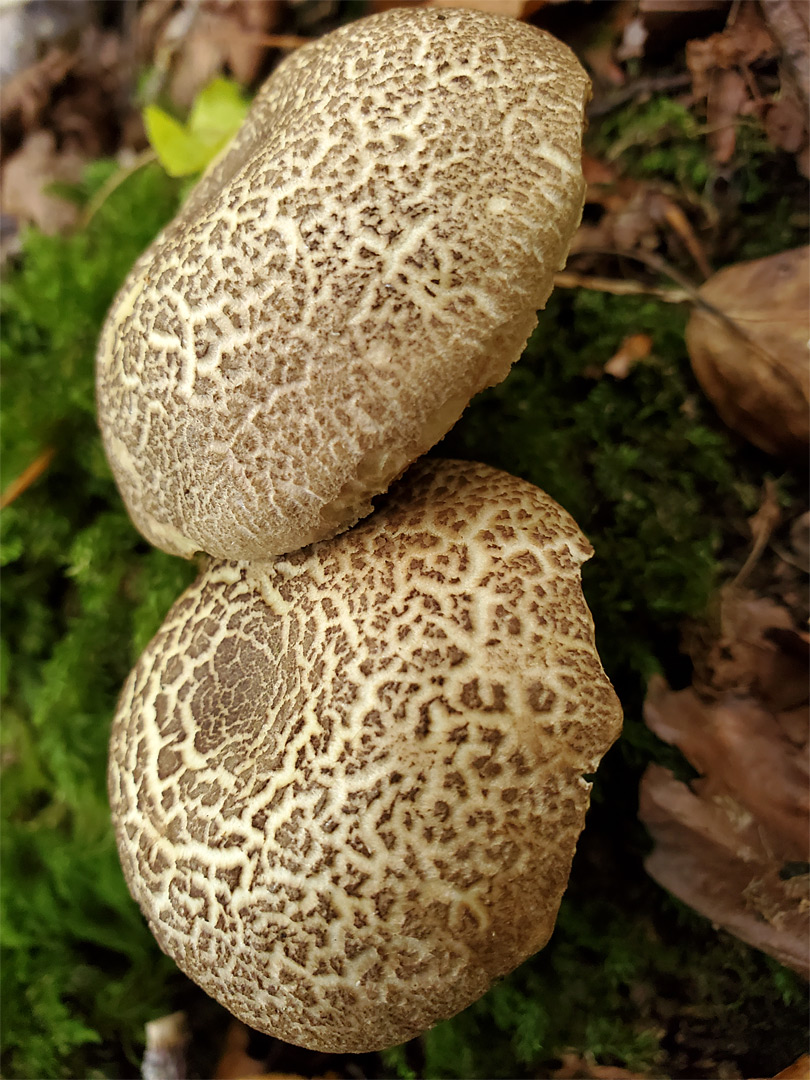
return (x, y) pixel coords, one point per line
(369, 253)
(347, 785)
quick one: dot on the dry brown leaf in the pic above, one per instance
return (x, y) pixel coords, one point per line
(741, 750)
(27, 93)
(789, 24)
(744, 41)
(749, 349)
(799, 1070)
(26, 176)
(734, 843)
(708, 855)
(576, 1066)
(633, 349)
(727, 99)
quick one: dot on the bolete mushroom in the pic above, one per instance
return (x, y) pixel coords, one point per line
(347, 784)
(369, 254)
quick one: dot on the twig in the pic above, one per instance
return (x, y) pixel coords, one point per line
(115, 181)
(600, 106)
(272, 41)
(275, 41)
(762, 524)
(567, 279)
(679, 223)
(26, 478)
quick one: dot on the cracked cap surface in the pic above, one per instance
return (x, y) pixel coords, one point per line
(369, 254)
(347, 786)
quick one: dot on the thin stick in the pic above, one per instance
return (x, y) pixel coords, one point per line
(567, 279)
(26, 478)
(274, 41)
(271, 41)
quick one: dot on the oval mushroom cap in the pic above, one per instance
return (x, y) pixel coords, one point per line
(347, 785)
(369, 254)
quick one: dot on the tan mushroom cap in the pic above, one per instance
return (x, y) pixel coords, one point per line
(369, 254)
(347, 785)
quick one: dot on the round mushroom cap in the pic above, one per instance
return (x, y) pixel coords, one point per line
(369, 254)
(347, 785)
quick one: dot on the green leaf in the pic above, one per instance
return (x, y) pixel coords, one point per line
(218, 112)
(215, 117)
(179, 152)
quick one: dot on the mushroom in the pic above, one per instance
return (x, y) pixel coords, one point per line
(369, 253)
(347, 784)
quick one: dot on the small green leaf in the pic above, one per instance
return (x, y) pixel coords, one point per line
(215, 117)
(179, 152)
(218, 112)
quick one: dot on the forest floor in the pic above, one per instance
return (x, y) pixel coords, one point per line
(663, 406)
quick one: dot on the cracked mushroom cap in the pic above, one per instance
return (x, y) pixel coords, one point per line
(347, 785)
(369, 254)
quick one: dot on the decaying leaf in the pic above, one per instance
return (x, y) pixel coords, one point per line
(722, 68)
(734, 843)
(799, 1070)
(749, 349)
(708, 855)
(191, 44)
(745, 40)
(584, 1067)
(27, 176)
(634, 348)
(789, 24)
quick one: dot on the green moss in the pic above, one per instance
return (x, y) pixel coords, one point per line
(81, 594)
(756, 202)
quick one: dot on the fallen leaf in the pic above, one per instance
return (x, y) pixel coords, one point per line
(26, 177)
(740, 44)
(799, 1070)
(742, 752)
(726, 101)
(749, 349)
(789, 24)
(709, 855)
(577, 1066)
(634, 348)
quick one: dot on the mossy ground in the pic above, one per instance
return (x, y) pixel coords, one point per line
(661, 489)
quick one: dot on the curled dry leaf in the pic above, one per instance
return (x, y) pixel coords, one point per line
(734, 844)
(740, 44)
(749, 349)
